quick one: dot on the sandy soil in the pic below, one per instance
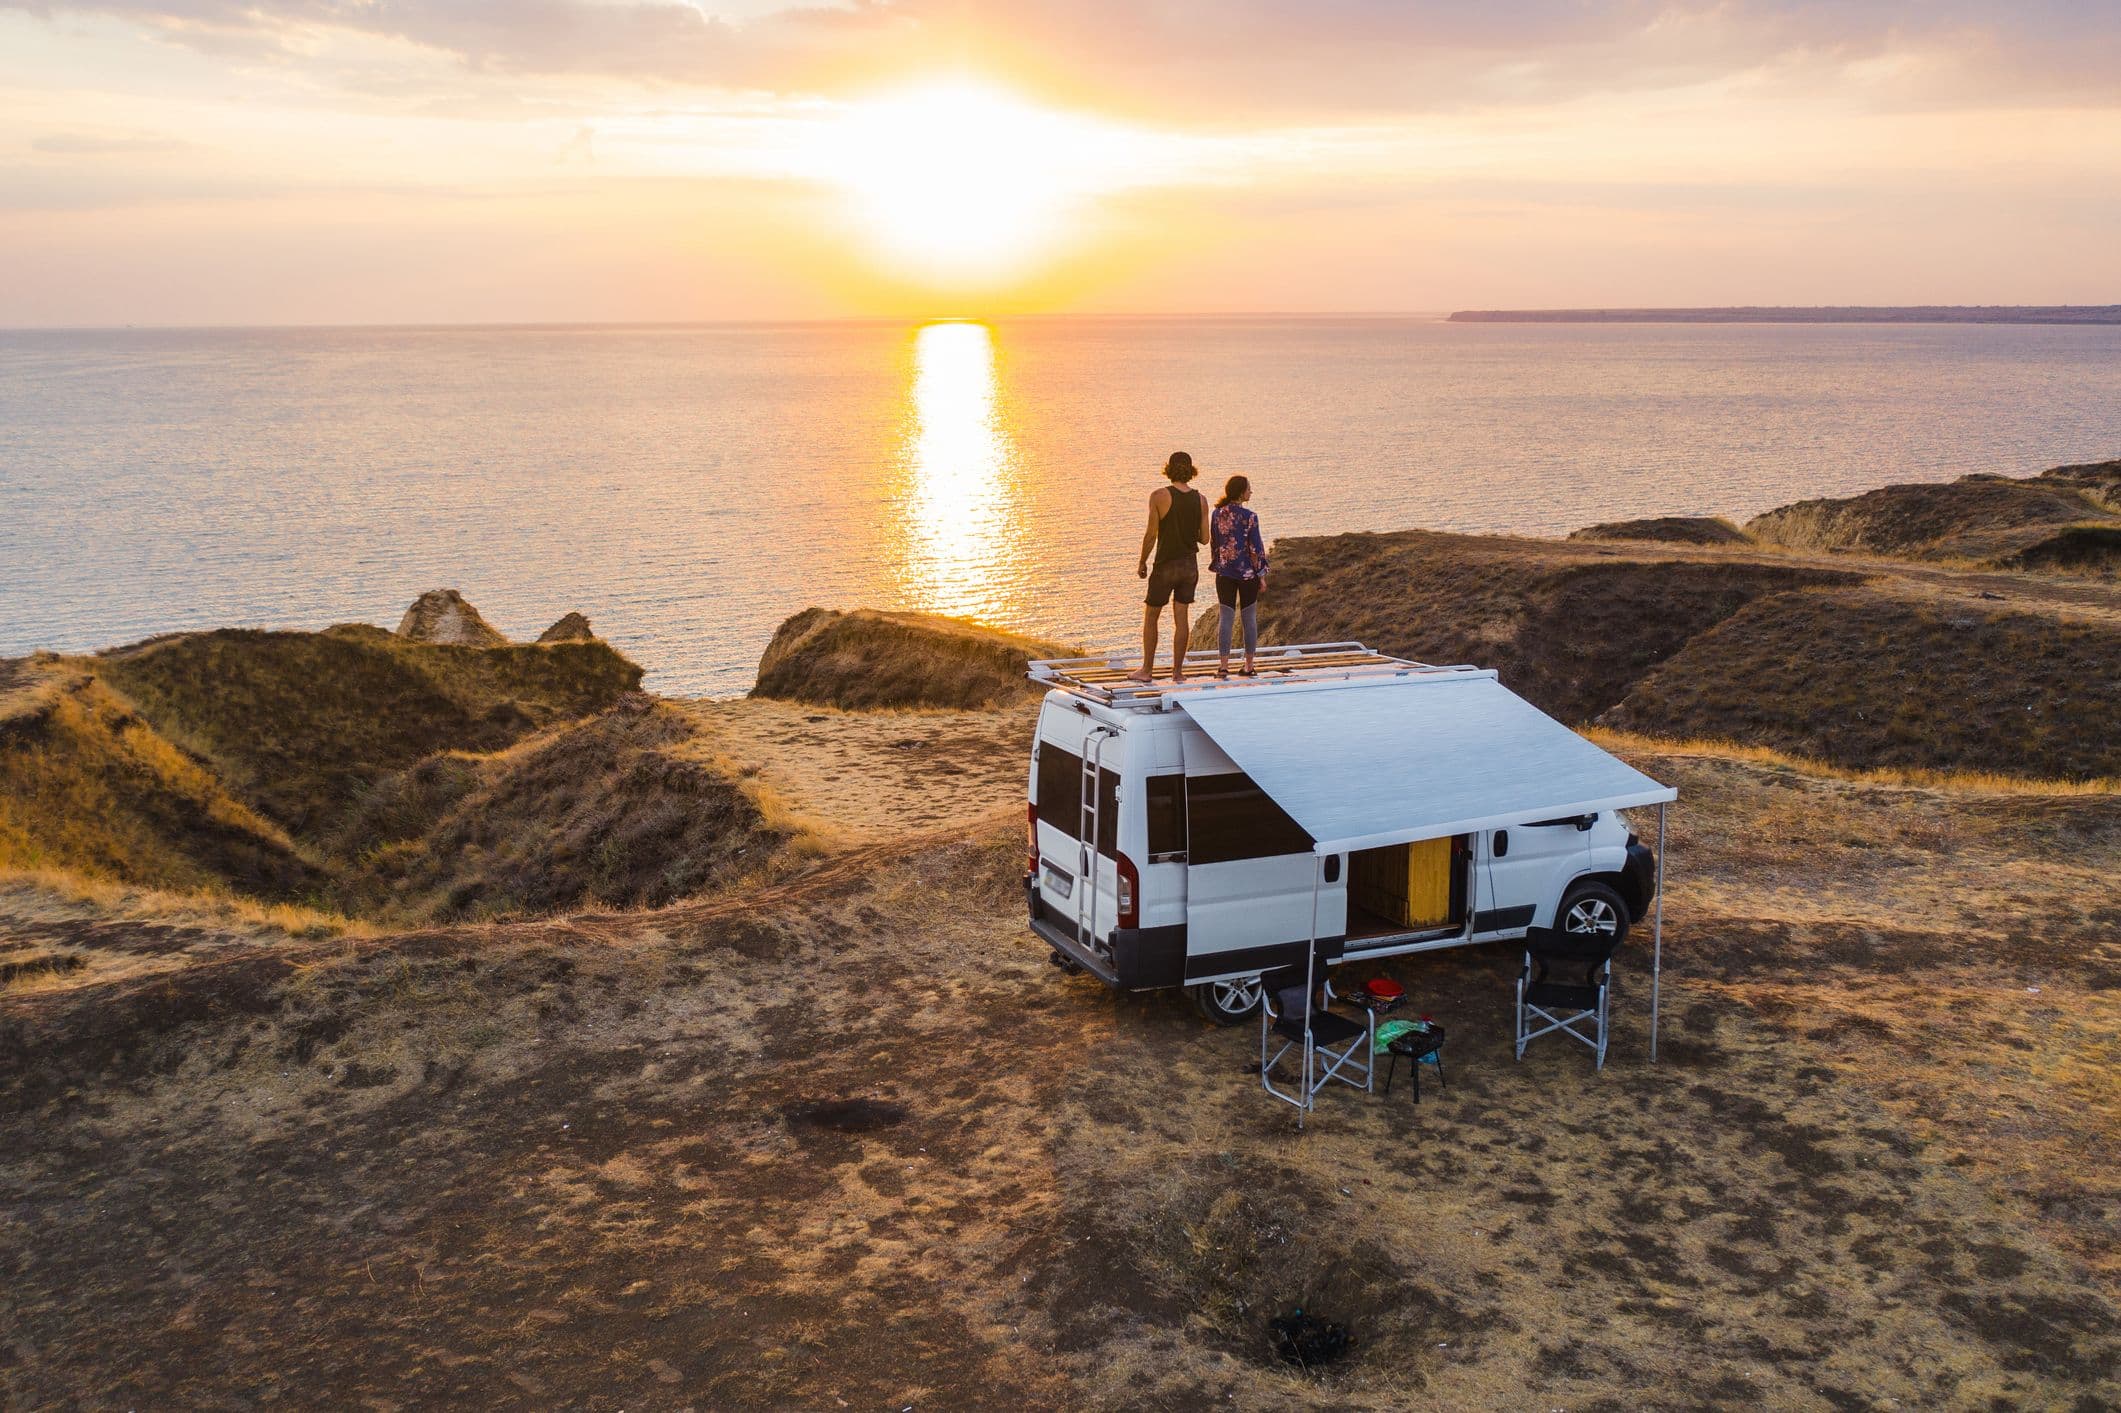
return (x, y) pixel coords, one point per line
(872, 776)
(849, 1141)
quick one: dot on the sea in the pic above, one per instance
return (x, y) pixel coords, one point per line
(689, 487)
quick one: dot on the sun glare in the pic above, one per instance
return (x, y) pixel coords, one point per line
(963, 184)
(963, 539)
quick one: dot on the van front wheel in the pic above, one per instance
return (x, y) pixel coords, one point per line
(1227, 1002)
(1593, 910)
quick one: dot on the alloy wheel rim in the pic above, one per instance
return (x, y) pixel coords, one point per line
(1236, 995)
(1593, 915)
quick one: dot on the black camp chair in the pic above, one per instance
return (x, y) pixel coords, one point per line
(1332, 1047)
(1566, 981)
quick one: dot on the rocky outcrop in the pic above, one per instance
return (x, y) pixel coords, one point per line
(867, 659)
(574, 628)
(2061, 521)
(1667, 529)
(443, 616)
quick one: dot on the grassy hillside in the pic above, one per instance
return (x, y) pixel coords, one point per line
(869, 659)
(1669, 529)
(1571, 629)
(88, 786)
(301, 724)
(1931, 671)
(2066, 520)
(1876, 675)
(366, 772)
(621, 810)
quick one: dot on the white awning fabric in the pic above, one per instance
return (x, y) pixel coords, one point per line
(1361, 766)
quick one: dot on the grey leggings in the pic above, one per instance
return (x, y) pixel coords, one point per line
(1230, 594)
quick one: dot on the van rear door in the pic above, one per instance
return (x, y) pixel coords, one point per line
(1077, 879)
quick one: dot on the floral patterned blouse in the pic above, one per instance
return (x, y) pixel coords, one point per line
(1236, 549)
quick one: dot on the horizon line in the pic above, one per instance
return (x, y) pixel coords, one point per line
(1292, 315)
(506, 324)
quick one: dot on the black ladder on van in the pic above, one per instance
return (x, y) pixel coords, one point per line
(1086, 837)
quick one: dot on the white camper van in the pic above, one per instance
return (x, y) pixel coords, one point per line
(1361, 804)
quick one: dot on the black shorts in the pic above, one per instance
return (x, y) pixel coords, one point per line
(1173, 579)
(1237, 593)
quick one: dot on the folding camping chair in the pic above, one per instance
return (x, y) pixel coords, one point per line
(1333, 1047)
(1566, 1004)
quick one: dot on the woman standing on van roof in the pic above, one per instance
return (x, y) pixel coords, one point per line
(1238, 558)
(1178, 527)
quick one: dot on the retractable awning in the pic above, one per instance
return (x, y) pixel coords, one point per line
(1361, 766)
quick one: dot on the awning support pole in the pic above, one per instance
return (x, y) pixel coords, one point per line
(1310, 963)
(1656, 935)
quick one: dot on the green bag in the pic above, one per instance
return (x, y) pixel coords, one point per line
(1391, 1030)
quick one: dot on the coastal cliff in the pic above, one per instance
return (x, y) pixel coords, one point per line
(564, 985)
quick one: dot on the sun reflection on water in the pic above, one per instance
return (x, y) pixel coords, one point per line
(961, 527)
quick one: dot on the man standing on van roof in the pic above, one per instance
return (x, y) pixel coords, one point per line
(1178, 527)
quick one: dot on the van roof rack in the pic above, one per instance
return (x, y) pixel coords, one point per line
(1105, 679)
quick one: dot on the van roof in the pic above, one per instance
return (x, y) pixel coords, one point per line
(1105, 679)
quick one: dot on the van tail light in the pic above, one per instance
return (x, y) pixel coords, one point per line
(1031, 838)
(1130, 892)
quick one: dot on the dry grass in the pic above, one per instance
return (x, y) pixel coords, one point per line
(868, 659)
(403, 773)
(1570, 626)
(1871, 675)
(1902, 668)
(106, 901)
(849, 1138)
(302, 724)
(86, 785)
(1668, 529)
(835, 1134)
(2063, 521)
(611, 812)
(1961, 782)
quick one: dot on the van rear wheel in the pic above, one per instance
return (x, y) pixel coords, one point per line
(1227, 1002)
(1593, 910)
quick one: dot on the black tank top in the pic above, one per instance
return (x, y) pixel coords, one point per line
(1178, 533)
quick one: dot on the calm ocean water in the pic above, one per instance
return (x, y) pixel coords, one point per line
(688, 488)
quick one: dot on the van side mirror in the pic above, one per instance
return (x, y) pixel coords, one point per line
(1332, 868)
(1501, 846)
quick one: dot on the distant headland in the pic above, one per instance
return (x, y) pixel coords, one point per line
(1825, 314)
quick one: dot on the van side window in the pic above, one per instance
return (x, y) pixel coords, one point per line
(1167, 818)
(1060, 788)
(1108, 812)
(1229, 818)
(1060, 796)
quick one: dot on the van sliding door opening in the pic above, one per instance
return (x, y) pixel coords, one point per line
(1403, 888)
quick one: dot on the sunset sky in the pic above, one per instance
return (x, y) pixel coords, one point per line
(363, 161)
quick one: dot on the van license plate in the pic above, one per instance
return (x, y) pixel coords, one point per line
(1059, 882)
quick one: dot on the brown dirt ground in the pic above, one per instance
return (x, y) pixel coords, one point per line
(850, 1141)
(872, 776)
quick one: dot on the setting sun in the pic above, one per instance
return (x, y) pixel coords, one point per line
(963, 184)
